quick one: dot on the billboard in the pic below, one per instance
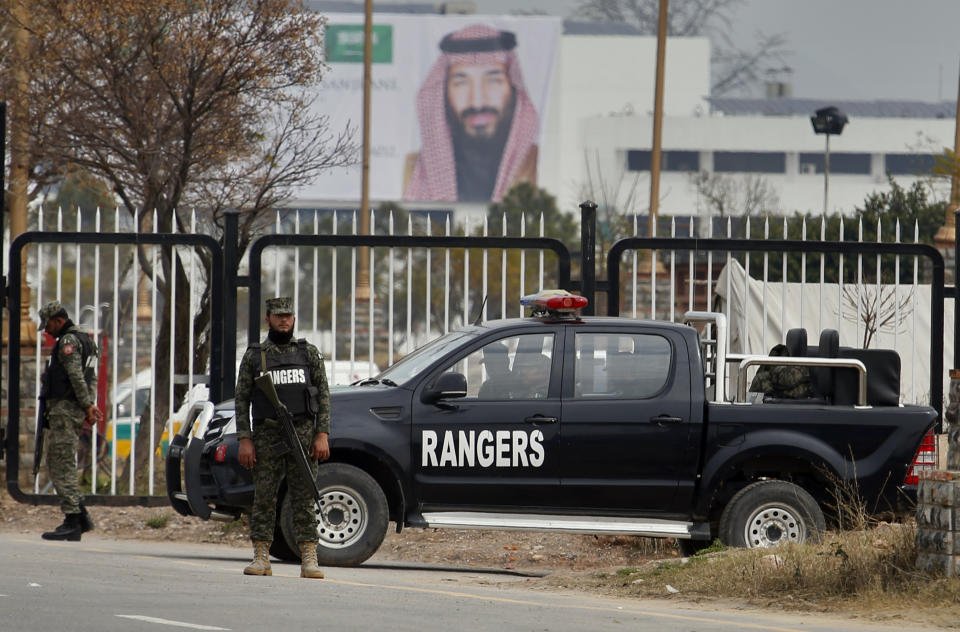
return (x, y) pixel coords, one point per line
(457, 104)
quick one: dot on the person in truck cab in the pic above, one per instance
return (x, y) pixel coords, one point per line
(530, 376)
(496, 363)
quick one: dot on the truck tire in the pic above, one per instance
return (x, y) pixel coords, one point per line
(351, 517)
(770, 513)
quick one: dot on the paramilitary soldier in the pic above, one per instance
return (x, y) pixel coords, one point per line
(301, 383)
(69, 387)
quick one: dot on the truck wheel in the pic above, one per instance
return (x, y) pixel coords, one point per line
(351, 516)
(770, 513)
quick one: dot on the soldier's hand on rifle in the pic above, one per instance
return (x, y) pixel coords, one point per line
(93, 416)
(247, 455)
(320, 449)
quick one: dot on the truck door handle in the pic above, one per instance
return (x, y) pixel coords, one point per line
(665, 419)
(540, 419)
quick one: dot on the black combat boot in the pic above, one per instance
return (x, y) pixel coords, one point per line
(69, 530)
(86, 522)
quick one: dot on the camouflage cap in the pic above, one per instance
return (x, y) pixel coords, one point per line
(279, 305)
(49, 310)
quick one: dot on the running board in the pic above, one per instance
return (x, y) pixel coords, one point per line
(568, 524)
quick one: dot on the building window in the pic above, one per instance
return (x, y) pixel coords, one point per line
(750, 161)
(639, 160)
(840, 162)
(686, 225)
(908, 164)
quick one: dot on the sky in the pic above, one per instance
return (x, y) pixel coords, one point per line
(842, 49)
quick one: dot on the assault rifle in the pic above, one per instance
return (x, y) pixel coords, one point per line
(42, 424)
(265, 384)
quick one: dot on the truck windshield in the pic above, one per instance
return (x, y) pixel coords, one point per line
(414, 363)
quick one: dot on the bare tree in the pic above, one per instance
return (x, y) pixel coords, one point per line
(734, 67)
(748, 194)
(879, 311)
(616, 197)
(177, 105)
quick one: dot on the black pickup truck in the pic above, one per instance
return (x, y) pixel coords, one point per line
(598, 425)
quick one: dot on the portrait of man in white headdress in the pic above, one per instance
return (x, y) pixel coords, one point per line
(478, 125)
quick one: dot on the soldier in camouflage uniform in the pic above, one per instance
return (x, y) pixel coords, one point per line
(782, 381)
(301, 383)
(69, 394)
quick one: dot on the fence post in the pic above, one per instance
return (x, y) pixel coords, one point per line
(231, 222)
(956, 289)
(588, 255)
(3, 281)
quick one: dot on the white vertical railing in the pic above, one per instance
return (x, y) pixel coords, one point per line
(94, 434)
(353, 302)
(766, 269)
(154, 307)
(38, 347)
(783, 291)
(523, 259)
(115, 339)
(371, 323)
(446, 279)
(390, 277)
(466, 276)
(333, 294)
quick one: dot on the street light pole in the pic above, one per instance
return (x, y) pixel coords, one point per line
(826, 175)
(945, 236)
(828, 120)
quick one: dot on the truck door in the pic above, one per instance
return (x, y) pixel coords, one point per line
(626, 419)
(500, 445)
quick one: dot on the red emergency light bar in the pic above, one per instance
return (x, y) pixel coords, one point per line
(553, 301)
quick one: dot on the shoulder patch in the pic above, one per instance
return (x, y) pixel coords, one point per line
(67, 349)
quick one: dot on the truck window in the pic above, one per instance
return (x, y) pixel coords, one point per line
(517, 367)
(620, 365)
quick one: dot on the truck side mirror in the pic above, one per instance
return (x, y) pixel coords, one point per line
(447, 386)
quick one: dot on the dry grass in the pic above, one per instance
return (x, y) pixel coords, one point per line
(870, 571)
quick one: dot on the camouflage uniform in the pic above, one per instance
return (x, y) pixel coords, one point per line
(273, 458)
(781, 381)
(65, 408)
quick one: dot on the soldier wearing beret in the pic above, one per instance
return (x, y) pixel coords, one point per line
(69, 387)
(303, 390)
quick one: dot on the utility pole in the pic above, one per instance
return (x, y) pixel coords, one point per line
(363, 276)
(658, 117)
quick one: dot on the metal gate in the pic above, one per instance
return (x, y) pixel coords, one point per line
(417, 286)
(117, 331)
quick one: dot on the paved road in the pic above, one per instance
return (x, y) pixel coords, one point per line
(103, 585)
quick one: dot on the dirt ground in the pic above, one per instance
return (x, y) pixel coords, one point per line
(519, 551)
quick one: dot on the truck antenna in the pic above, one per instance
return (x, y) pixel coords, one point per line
(480, 313)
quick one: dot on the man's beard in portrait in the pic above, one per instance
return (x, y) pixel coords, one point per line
(279, 337)
(478, 158)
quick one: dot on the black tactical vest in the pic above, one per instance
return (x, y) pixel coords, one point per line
(56, 382)
(291, 377)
